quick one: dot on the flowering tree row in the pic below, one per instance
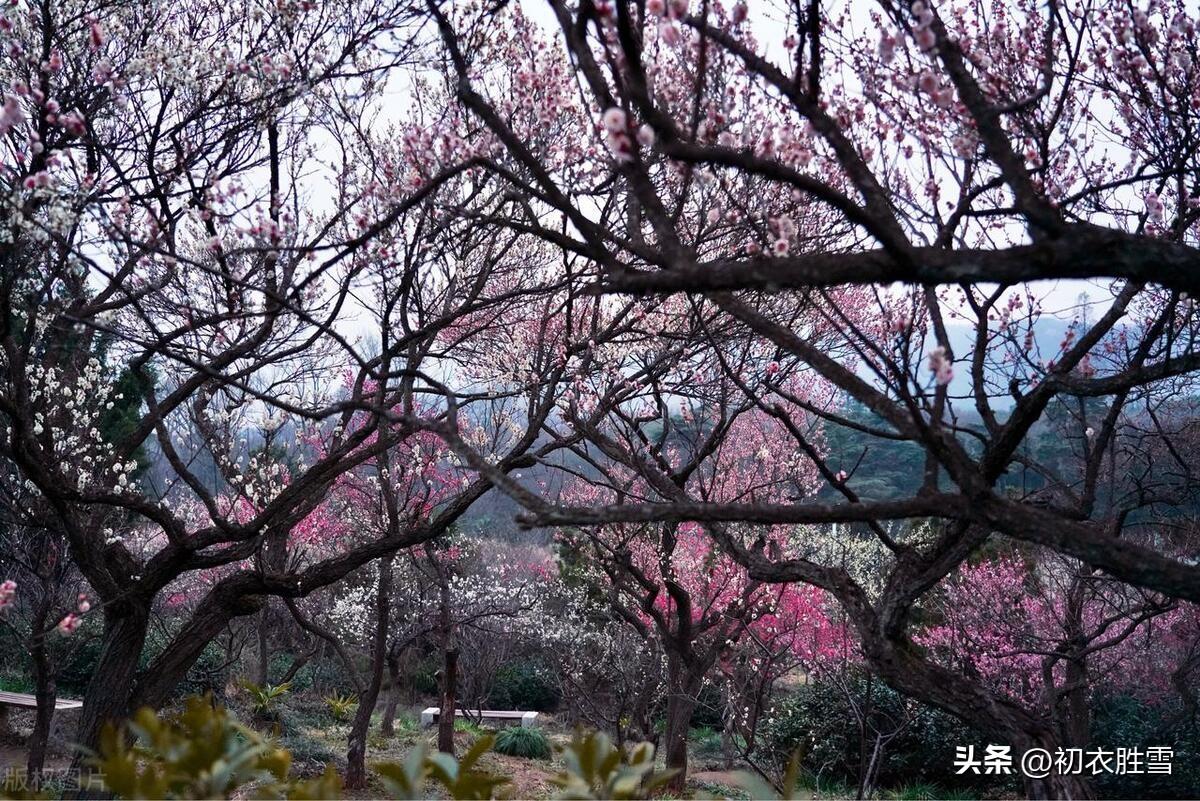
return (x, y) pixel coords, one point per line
(764, 194)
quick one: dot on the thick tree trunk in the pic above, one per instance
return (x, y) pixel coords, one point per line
(1071, 709)
(905, 671)
(643, 725)
(682, 697)
(1075, 715)
(356, 756)
(449, 701)
(449, 661)
(387, 726)
(45, 692)
(107, 699)
(679, 716)
(47, 696)
(222, 604)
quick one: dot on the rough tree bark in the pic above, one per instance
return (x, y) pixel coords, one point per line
(449, 658)
(1071, 709)
(356, 756)
(223, 603)
(46, 691)
(905, 671)
(108, 693)
(387, 726)
(683, 692)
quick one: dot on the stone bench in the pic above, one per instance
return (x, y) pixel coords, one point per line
(527, 720)
(62, 726)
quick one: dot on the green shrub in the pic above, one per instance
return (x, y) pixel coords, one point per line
(468, 726)
(705, 741)
(265, 700)
(208, 674)
(916, 791)
(309, 754)
(1125, 721)
(406, 723)
(818, 721)
(425, 680)
(519, 741)
(710, 708)
(461, 778)
(76, 671)
(203, 752)
(595, 768)
(302, 680)
(340, 706)
(707, 789)
(17, 683)
(525, 686)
